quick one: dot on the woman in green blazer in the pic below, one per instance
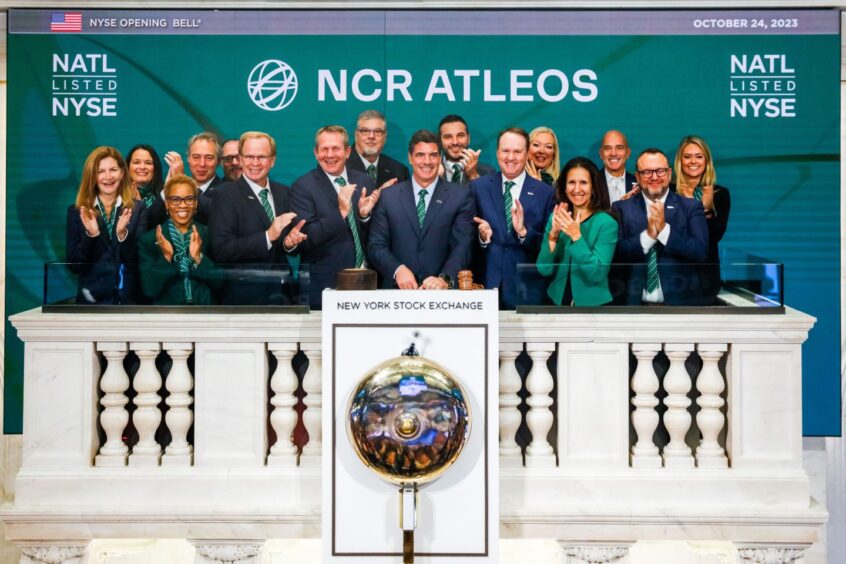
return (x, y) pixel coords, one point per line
(175, 269)
(580, 237)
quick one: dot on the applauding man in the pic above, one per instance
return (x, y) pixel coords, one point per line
(663, 235)
(335, 202)
(512, 211)
(249, 225)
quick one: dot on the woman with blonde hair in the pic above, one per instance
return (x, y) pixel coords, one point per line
(543, 162)
(175, 268)
(697, 179)
(102, 228)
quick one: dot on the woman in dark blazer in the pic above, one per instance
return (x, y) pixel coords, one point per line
(580, 237)
(697, 179)
(102, 227)
(175, 267)
(146, 181)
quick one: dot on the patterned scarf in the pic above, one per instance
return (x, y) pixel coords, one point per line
(182, 256)
(147, 195)
(546, 177)
(108, 219)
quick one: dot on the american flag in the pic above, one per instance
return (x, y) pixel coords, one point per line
(66, 21)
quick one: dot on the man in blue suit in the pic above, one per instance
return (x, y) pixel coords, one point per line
(422, 230)
(512, 209)
(663, 236)
(335, 202)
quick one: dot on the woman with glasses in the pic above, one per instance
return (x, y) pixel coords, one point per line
(543, 163)
(175, 268)
(101, 229)
(697, 179)
(146, 181)
(580, 237)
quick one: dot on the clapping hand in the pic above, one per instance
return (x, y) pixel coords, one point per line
(633, 192)
(708, 198)
(89, 220)
(122, 223)
(279, 224)
(518, 219)
(485, 231)
(367, 203)
(655, 223)
(195, 246)
(295, 236)
(164, 245)
(175, 164)
(471, 162)
(572, 226)
(345, 194)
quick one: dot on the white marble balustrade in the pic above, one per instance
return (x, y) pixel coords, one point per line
(584, 465)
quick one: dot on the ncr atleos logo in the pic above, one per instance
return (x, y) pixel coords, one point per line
(272, 85)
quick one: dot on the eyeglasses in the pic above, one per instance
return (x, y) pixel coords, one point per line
(176, 201)
(255, 158)
(375, 132)
(659, 172)
(229, 159)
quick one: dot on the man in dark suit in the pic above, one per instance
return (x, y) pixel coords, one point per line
(422, 230)
(370, 135)
(663, 236)
(335, 202)
(614, 152)
(460, 163)
(203, 158)
(512, 209)
(247, 224)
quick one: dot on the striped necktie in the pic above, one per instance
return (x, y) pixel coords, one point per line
(652, 279)
(371, 170)
(697, 193)
(265, 203)
(509, 203)
(421, 206)
(456, 174)
(359, 252)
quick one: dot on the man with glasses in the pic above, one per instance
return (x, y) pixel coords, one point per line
(335, 202)
(662, 236)
(230, 162)
(250, 224)
(370, 136)
(203, 158)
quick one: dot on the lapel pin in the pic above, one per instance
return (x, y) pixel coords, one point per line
(530, 193)
(439, 201)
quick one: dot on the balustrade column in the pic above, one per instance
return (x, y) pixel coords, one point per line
(539, 383)
(179, 384)
(313, 415)
(677, 418)
(710, 419)
(509, 400)
(147, 416)
(283, 418)
(114, 417)
(645, 418)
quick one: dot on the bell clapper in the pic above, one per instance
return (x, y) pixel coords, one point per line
(408, 520)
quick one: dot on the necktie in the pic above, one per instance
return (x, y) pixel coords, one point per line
(509, 203)
(697, 193)
(182, 257)
(421, 206)
(371, 170)
(359, 252)
(263, 195)
(456, 174)
(546, 177)
(652, 270)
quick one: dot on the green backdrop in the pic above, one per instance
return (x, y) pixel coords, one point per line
(658, 76)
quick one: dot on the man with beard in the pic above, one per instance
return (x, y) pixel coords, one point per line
(370, 135)
(230, 161)
(460, 164)
(662, 235)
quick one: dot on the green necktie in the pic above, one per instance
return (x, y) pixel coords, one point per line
(263, 194)
(456, 174)
(652, 270)
(371, 170)
(509, 203)
(359, 252)
(697, 193)
(421, 206)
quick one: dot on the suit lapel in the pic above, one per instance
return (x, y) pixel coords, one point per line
(439, 197)
(408, 204)
(671, 206)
